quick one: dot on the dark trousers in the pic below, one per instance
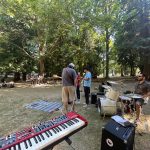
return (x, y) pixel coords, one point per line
(87, 94)
(78, 92)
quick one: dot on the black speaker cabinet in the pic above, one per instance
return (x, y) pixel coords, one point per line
(93, 98)
(117, 137)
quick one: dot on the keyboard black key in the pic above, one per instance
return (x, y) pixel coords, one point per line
(63, 126)
(19, 146)
(72, 122)
(29, 142)
(39, 128)
(68, 123)
(36, 141)
(67, 126)
(76, 120)
(59, 128)
(25, 143)
(42, 136)
(47, 134)
(54, 131)
(39, 138)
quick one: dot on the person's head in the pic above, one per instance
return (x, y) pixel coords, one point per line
(78, 73)
(86, 69)
(71, 65)
(141, 77)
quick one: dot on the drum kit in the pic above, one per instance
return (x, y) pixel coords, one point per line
(107, 104)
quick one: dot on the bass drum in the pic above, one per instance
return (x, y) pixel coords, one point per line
(106, 106)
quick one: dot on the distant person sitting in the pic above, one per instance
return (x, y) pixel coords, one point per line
(4, 84)
(40, 79)
(33, 78)
(11, 84)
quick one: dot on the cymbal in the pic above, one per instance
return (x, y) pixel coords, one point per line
(123, 97)
(106, 86)
(134, 95)
(113, 82)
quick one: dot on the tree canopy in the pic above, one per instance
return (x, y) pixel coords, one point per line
(45, 35)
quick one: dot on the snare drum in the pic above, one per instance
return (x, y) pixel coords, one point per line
(127, 103)
(106, 106)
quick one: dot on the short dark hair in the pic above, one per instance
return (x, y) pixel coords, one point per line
(86, 68)
(143, 75)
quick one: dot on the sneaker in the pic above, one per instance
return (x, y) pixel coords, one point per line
(85, 105)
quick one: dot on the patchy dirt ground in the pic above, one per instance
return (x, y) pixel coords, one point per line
(14, 116)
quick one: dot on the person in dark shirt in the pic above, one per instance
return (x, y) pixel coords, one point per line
(68, 89)
(142, 88)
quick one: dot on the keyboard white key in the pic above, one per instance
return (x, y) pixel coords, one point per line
(22, 145)
(16, 146)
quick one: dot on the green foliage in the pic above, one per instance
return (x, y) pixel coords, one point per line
(132, 37)
(46, 35)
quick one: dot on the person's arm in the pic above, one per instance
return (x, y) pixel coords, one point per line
(146, 95)
(87, 77)
(146, 92)
(75, 78)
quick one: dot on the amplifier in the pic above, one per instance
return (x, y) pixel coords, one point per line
(117, 137)
(93, 98)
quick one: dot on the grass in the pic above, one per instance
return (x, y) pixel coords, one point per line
(14, 117)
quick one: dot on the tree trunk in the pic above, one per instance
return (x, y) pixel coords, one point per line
(41, 59)
(24, 76)
(146, 69)
(107, 53)
(131, 71)
(121, 71)
(42, 66)
(17, 76)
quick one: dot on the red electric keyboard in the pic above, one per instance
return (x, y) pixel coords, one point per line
(44, 135)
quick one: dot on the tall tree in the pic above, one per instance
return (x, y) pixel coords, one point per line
(106, 16)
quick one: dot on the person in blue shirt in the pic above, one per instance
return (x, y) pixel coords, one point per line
(87, 85)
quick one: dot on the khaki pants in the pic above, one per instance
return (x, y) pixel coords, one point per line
(68, 94)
